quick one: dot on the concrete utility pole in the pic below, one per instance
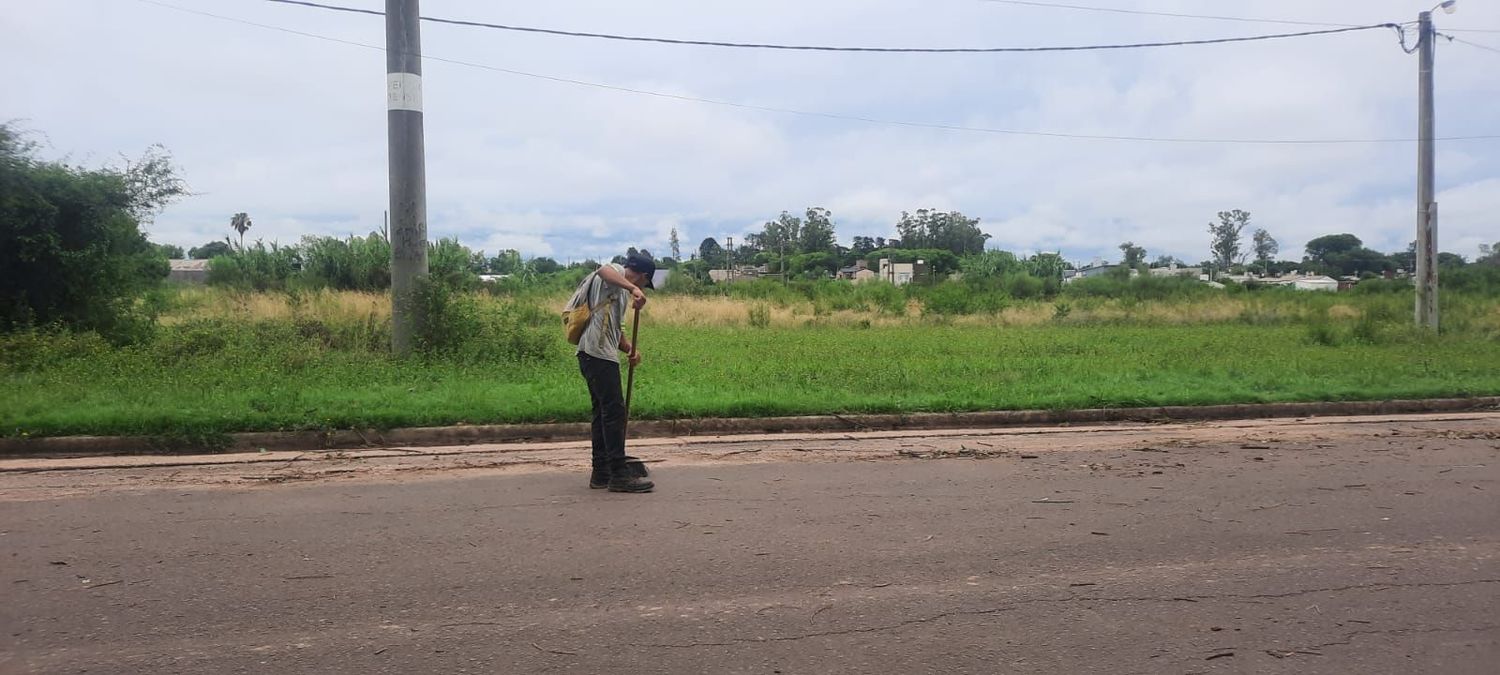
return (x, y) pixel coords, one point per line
(1427, 273)
(408, 169)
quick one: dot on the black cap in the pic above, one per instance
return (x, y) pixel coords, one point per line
(642, 263)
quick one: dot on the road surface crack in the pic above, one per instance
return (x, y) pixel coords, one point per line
(829, 633)
(1272, 596)
(1349, 638)
(1017, 604)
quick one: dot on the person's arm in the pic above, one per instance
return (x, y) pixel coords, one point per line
(614, 276)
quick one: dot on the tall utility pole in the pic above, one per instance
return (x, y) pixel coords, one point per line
(408, 169)
(729, 258)
(1427, 274)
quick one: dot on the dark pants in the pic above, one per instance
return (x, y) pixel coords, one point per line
(603, 378)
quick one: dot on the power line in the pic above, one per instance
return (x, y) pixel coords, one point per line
(822, 48)
(823, 115)
(1472, 44)
(1175, 15)
(1180, 15)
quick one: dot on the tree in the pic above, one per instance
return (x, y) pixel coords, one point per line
(710, 251)
(507, 262)
(815, 265)
(1405, 260)
(169, 251)
(1446, 260)
(1167, 261)
(1266, 248)
(817, 232)
(1345, 254)
(1226, 234)
(210, 250)
(1489, 254)
(1134, 256)
(676, 249)
(71, 247)
(862, 246)
(543, 265)
(948, 230)
(780, 236)
(240, 222)
(1325, 249)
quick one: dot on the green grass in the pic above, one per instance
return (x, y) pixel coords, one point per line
(269, 378)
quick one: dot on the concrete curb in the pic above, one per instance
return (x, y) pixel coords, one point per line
(509, 433)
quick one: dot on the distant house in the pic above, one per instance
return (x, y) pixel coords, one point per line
(188, 271)
(901, 274)
(1306, 283)
(852, 271)
(736, 273)
(863, 275)
(1096, 270)
(1174, 271)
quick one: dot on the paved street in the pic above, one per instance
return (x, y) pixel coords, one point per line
(1350, 545)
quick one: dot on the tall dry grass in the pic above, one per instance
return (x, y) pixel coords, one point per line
(722, 311)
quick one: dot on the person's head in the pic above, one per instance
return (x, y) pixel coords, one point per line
(639, 269)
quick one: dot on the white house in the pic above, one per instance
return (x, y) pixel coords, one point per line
(188, 271)
(901, 274)
(1316, 284)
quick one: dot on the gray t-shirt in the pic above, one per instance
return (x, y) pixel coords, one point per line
(601, 338)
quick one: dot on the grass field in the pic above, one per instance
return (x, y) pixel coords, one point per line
(222, 363)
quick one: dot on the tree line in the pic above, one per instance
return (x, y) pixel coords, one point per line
(73, 250)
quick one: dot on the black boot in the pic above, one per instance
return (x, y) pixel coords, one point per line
(623, 479)
(599, 478)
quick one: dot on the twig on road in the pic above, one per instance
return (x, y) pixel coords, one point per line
(553, 651)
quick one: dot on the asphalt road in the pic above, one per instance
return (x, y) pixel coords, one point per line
(1336, 546)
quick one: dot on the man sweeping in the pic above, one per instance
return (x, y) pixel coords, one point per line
(601, 301)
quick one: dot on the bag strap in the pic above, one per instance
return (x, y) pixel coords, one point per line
(602, 301)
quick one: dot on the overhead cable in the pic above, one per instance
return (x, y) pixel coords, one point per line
(827, 48)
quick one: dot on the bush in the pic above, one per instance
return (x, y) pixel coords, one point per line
(257, 268)
(1324, 333)
(453, 265)
(948, 300)
(1381, 286)
(353, 264)
(1139, 288)
(457, 326)
(760, 315)
(1479, 279)
(38, 350)
(71, 247)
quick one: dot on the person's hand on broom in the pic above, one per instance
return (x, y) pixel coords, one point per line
(633, 354)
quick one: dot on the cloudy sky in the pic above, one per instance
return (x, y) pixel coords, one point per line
(291, 127)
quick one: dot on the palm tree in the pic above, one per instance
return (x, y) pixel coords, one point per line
(240, 222)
